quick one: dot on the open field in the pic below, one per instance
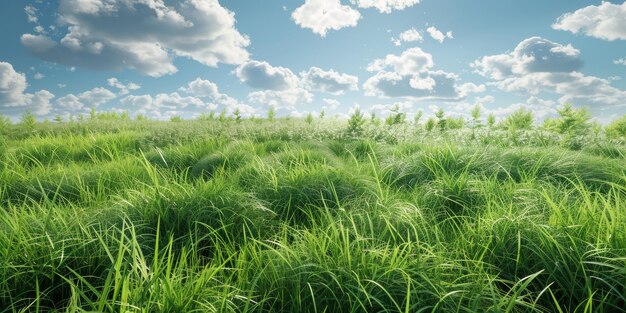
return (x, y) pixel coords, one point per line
(309, 215)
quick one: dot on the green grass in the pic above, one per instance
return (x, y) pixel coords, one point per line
(289, 216)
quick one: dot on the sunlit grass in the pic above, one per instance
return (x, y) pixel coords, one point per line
(289, 216)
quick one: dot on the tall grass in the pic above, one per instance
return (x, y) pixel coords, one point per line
(290, 216)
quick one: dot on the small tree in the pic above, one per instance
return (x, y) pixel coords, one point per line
(491, 120)
(355, 123)
(271, 113)
(322, 114)
(58, 119)
(93, 114)
(418, 117)
(455, 123)
(617, 128)
(520, 119)
(5, 122)
(396, 117)
(237, 115)
(573, 122)
(441, 120)
(476, 112)
(430, 124)
(309, 118)
(28, 120)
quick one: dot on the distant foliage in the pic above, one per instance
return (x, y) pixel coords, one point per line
(396, 117)
(28, 120)
(519, 120)
(271, 113)
(309, 118)
(430, 124)
(4, 121)
(442, 122)
(617, 128)
(355, 123)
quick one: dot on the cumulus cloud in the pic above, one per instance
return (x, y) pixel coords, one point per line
(197, 95)
(329, 81)
(85, 100)
(621, 61)
(538, 65)
(438, 35)
(430, 85)
(262, 75)
(12, 92)
(410, 35)
(323, 15)
(385, 6)
(485, 99)
(144, 35)
(281, 99)
(331, 104)
(605, 21)
(532, 55)
(12, 86)
(123, 88)
(209, 92)
(410, 75)
(31, 14)
(383, 110)
(411, 61)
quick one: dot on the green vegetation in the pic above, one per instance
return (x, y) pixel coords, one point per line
(228, 214)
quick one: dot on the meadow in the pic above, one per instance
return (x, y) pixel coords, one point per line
(316, 214)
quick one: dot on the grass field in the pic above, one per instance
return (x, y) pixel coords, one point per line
(309, 215)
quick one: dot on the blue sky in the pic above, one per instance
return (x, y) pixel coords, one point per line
(163, 58)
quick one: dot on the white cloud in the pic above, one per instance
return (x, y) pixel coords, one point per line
(430, 85)
(12, 92)
(383, 110)
(209, 92)
(410, 75)
(411, 61)
(605, 21)
(331, 104)
(12, 86)
(541, 66)
(485, 99)
(532, 55)
(410, 35)
(40, 102)
(281, 99)
(142, 34)
(621, 61)
(323, 15)
(329, 81)
(123, 88)
(385, 6)
(31, 14)
(438, 35)
(138, 102)
(190, 100)
(540, 102)
(262, 75)
(88, 99)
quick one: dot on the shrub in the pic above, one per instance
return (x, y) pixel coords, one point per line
(617, 128)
